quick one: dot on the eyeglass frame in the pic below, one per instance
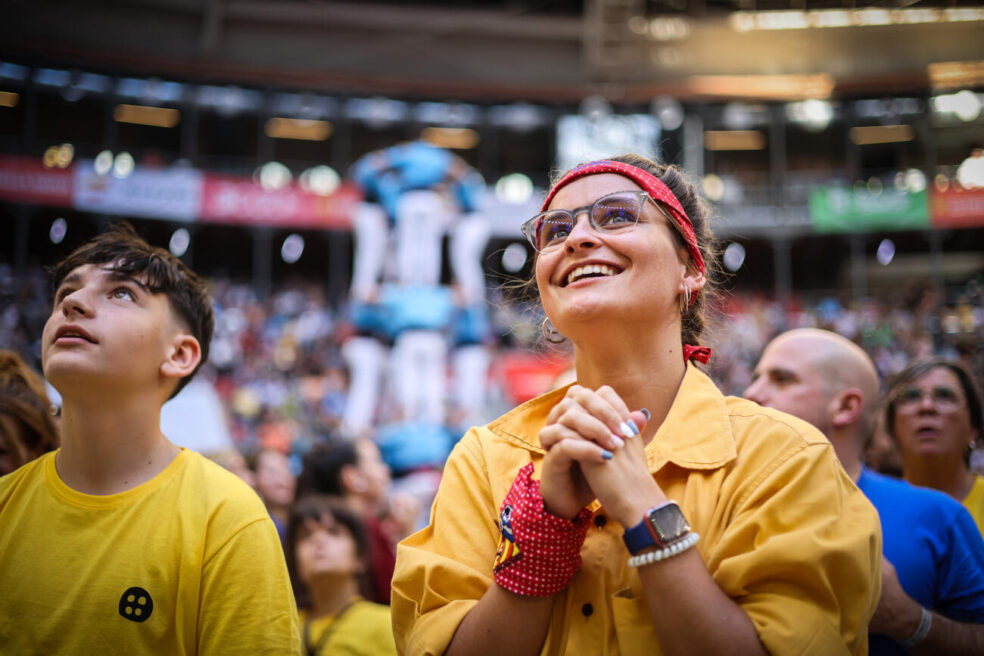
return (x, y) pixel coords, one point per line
(909, 406)
(529, 225)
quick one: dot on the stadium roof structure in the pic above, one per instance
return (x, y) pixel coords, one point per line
(541, 51)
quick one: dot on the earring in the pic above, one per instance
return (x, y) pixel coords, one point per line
(550, 333)
(685, 297)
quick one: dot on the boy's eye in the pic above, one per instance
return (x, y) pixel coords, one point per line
(123, 293)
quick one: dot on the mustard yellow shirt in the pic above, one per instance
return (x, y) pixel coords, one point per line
(784, 532)
(187, 563)
(974, 502)
(363, 629)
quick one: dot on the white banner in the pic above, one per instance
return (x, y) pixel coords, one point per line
(174, 194)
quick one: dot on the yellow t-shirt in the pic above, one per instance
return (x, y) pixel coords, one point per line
(783, 531)
(974, 502)
(187, 563)
(363, 629)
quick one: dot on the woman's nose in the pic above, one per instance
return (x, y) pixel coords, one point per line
(582, 234)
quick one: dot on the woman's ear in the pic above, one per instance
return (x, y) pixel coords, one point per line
(693, 282)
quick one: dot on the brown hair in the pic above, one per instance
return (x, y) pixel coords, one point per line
(126, 252)
(27, 426)
(694, 319)
(316, 507)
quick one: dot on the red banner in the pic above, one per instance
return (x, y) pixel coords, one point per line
(528, 374)
(227, 199)
(27, 180)
(956, 208)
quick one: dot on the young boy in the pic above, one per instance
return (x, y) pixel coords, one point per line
(120, 541)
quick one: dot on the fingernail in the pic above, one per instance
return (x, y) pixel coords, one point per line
(626, 431)
(647, 413)
(632, 425)
(619, 442)
(607, 455)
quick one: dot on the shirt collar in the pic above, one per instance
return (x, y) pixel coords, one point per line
(695, 435)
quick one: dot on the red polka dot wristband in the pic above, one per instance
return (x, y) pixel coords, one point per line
(538, 553)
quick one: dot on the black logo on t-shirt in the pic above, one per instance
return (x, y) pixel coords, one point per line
(136, 604)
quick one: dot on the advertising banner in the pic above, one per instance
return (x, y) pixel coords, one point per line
(956, 208)
(847, 209)
(172, 194)
(227, 199)
(27, 180)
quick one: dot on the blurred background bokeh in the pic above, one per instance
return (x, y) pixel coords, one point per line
(840, 143)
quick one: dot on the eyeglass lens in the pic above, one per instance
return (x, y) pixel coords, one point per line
(942, 397)
(607, 213)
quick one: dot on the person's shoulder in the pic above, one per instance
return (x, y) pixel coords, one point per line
(219, 489)
(372, 609)
(26, 474)
(750, 418)
(918, 501)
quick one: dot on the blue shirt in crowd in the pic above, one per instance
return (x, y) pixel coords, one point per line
(936, 549)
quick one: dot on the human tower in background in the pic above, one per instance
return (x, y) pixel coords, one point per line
(419, 358)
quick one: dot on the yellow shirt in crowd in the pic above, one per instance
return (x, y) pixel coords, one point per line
(783, 531)
(974, 502)
(186, 563)
(363, 629)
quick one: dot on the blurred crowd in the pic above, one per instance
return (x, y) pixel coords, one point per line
(277, 369)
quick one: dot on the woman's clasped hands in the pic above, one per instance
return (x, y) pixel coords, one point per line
(595, 449)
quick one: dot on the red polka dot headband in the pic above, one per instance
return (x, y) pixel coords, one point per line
(651, 184)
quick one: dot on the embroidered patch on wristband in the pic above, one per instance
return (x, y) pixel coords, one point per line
(507, 552)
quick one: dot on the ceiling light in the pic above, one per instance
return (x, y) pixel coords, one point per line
(453, 138)
(956, 75)
(320, 179)
(298, 128)
(764, 87)
(880, 134)
(180, 241)
(734, 140)
(58, 230)
(103, 162)
(514, 257)
(273, 176)
(292, 248)
(123, 165)
(158, 117)
(886, 252)
(734, 256)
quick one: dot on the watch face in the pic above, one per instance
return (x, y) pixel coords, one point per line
(668, 523)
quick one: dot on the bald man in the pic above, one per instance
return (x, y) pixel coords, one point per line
(932, 597)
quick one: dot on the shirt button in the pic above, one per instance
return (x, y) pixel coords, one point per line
(587, 610)
(600, 520)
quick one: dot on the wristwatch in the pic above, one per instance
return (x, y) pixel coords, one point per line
(662, 526)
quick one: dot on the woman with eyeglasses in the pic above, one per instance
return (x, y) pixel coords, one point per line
(638, 510)
(934, 414)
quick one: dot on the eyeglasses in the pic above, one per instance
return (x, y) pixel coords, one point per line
(946, 399)
(612, 213)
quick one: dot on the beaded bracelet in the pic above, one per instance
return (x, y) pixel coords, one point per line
(665, 552)
(925, 623)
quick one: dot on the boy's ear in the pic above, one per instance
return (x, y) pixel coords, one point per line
(184, 354)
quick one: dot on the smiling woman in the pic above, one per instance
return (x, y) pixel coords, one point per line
(934, 413)
(638, 509)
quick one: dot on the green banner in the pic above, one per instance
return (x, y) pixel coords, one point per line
(846, 209)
